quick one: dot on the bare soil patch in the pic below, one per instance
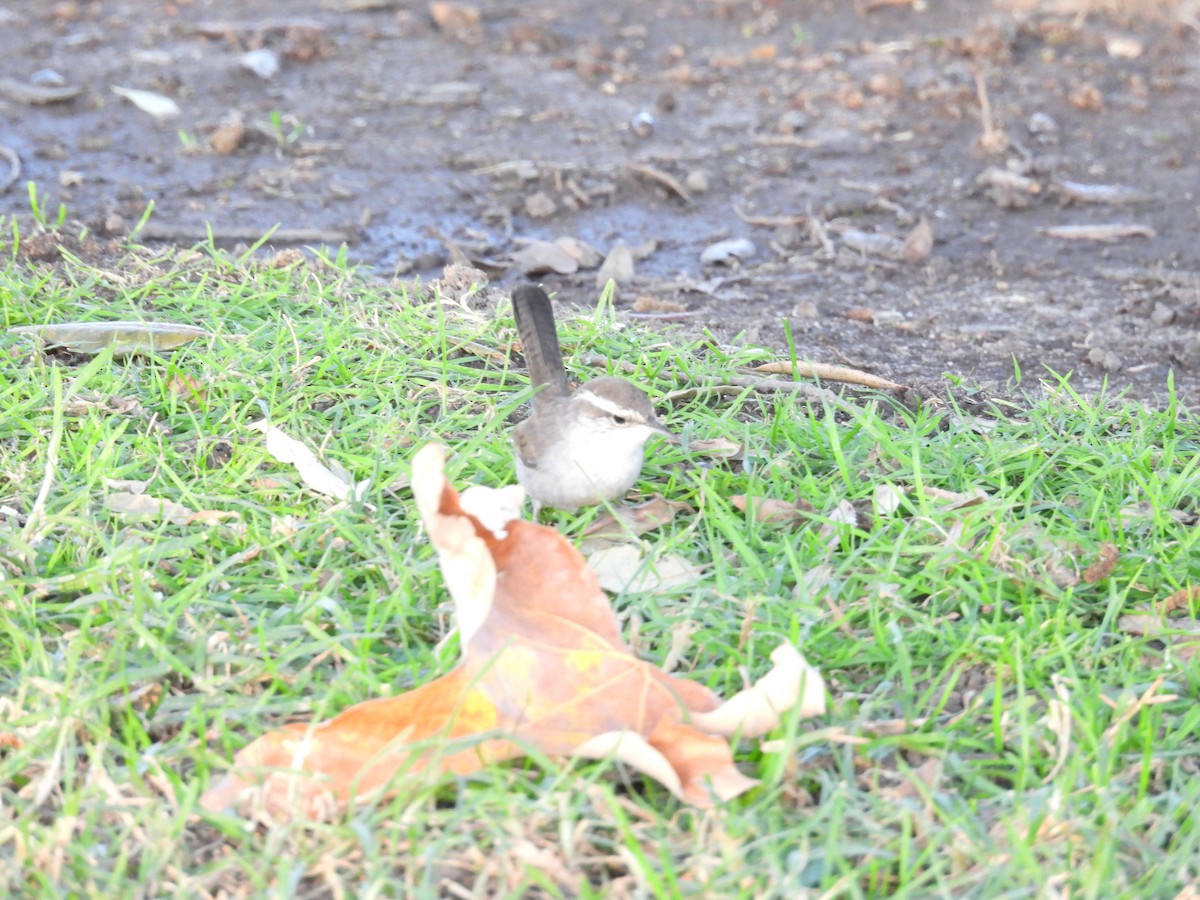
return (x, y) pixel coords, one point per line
(821, 133)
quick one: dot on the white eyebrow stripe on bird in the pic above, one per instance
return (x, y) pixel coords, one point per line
(613, 409)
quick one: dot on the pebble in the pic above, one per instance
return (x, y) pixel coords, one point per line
(642, 124)
(1105, 359)
(540, 205)
(696, 182)
(725, 252)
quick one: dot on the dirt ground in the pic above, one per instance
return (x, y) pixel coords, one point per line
(820, 132)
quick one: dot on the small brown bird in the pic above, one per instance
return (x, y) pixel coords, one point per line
(582, 448)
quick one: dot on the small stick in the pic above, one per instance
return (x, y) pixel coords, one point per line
(657, 175)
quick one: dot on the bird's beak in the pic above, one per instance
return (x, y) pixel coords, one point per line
(662, 429)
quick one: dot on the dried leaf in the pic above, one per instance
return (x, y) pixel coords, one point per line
(624, 569)
(124, 338)
(756, 710)
(543, 666)
(126, 485)
(718, 448)
(157, 105)
(139, 507)
(539, 257)
(887, 499)
(956, 499)
(1181, 634)
(770, 510)
(142, 507)
(318, 476)
(631, 521)
(1181, 599)
(1102, 567)
(186, 387)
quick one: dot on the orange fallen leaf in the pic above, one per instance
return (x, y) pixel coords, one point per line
(543, 667)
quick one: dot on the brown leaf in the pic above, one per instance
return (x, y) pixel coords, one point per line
(1102, 567)
(186, 387)
(1181, 599)
(770, 510)
(631, 521)
(543, 666)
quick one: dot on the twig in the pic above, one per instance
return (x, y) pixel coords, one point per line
(768, 221)
(764, 221)
(662, 178)
(37, 95)
(829, 372)
(178, 233)
(993, 140)
(739, 385)
(14, 167)
(1105, 232)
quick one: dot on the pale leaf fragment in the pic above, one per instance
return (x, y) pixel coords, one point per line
(887, 499)
(123, 337)
(955, 499)
(127, 485)
(143, 507)
(756, 710)
(718, 448)
(313, 472)
(463, 557)
(157, 105)
(624, 568)
(635, 751)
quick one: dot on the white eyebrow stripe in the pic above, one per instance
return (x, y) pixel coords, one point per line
(607, 405)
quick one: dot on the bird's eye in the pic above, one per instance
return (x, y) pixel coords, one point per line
(620, 420)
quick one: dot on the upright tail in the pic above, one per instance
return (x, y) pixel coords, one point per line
(539, 338)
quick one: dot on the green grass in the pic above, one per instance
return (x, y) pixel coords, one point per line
(136, 657)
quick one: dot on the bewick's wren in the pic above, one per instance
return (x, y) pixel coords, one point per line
(582, 448)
